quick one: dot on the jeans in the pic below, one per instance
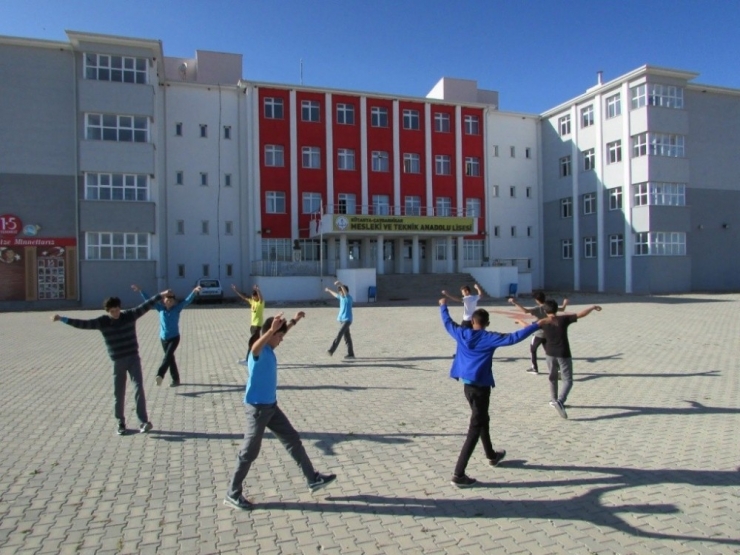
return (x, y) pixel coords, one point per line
(132, 365)
(169, 346)
(271, 417)
(533, 346)
(565, 365)
(343, 332)
(479, 399)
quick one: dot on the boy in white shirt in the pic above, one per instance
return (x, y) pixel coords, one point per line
(470, 303)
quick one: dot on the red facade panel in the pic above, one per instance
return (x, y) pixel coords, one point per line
(473, 186)
(380, 141)
(346, 136)
(311, 134)
(443, 144)
(274, 131)
(412, 129)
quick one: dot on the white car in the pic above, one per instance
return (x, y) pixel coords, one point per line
(210, 290)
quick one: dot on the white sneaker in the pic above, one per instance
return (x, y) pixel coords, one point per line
(558, 406)
(159, 380)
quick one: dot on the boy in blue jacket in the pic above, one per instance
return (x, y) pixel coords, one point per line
(473, 365)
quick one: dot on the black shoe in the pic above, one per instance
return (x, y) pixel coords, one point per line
(239, 503)
(145, 427)
(462, 481)
(174, 384)
(121, 429)
(330, 352)
(321, 481)
(531, 370)
(349, 357)
(497, 458)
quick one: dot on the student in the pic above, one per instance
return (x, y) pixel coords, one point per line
(539, 336)
(470, 303)
(345, 319)
(260, 402)
(557, 349)
(257, 303)
(473, 365)
(169, 331)
(119, 333)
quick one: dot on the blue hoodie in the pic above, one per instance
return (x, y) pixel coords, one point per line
(169, 320)
(473, 362)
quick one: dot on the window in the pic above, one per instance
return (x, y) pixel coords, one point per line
(204, 227)
(121, 69)
(380, 205)
(347, 204)
(206, 270)
(442, 164)
(277, 249)
(273, 108)
(227, 132)
(116, 186)
(117, 246)
(203, 131)
(529, 192)
(512, 192)
(310, 110)
(204, 179)
(472, 207)
(566, 249)
(411, 163)
(411, 119)
(472, 166)
(496, 231)
(346, 159)
(616, 245)
(660, 243)
(639, 145)
(227, 180)
(495, 151)
(178, 129)
(472, 125)
(181, 270)
(311, 203)
(589, 203)
(655, 94)
(566, 208)
(613, 106)
(665, 144)
(512, 151)
(528, 153)
(179, 178)
(345, 114)
(589, 159)
(412, 206)
(275, 202)
(564, 166)
(615, 199)
(380, 161)
(589, 247)
(180, 227)
(229, 228)
(614, 152)
(442, 122)
(378, 116)
(660, 194)
(274, 156)
(638, 96)
(109, 127)
(494, 190)
(312, 157)
(564, 125)
(229, 270)
(444, 206)
(587, 116)
(513, 231)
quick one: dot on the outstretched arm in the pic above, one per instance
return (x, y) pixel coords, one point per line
(277, 323)
(190, 298)
(589, 310)
(238, 294)
(562, 308)
(144, 307)
(451, 297)
(520, 307)
(332, 293)
(293, 321)
(93, 324)
(256, 287)
(479, 290)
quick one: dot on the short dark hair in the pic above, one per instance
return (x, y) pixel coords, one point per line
(481, 317)
(539, 296)
(466, 288)
(111, 302)
(551, 307)
(264, 329)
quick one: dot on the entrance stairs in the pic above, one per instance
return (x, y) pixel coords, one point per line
(425, 288)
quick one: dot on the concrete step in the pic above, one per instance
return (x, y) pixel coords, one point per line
(410, 287)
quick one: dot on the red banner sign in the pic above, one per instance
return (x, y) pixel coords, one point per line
(10, 225)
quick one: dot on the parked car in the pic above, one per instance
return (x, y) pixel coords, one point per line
(210, 290)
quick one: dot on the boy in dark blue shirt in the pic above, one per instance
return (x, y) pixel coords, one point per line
(473, 365)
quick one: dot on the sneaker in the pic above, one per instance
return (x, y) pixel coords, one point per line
(330, 352)
(321, 481)
(349, 357)
(462, 481)
(242, 361)
(121, 429)
(531, 370)
(558, 406)
(498, 457)
(159, 380)
(239, 503)
(174, 384)
(145, 427)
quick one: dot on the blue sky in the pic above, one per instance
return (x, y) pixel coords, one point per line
(537, 54)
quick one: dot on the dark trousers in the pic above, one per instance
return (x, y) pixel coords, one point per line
(565, 366)
(132, 366)
(478, 398)
(343, 333)
(168, 362)
(271, 417)
(533, 346)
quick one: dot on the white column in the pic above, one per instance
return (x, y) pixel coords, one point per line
(415, 254)
(379, 262)
(428, 160)
(448, 256)
(460, 255)
(295, 202)
(365, 249)
(459, 201)
(398, 262)
(331, 255)
(627, 198)
(343, 251)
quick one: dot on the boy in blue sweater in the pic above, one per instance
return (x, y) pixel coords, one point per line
(473, 365)
(169, 331)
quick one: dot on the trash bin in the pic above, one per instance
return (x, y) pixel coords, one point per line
(371, 294)
(512, 289)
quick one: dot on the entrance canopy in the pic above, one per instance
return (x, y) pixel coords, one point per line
(365, 225)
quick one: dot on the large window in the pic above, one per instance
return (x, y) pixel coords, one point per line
(378, 116)
(472, 207)
(279, 250)
(311, 157)
(564, 165)
(655, 94)
(380, 161)
(589, 203)
(345, 114)
(122, 69)
(660, 243)
(116, 186)
(442, 164)
(566, 207)
(381, 205)
(273, 108)
(566, 249)
(411, 119)
(274, 156)
(442, 122)
(614, 152)
(412, 205)
(589, 159)
(616, 245)
(411, 163)
(117, 246)
(615, 198)
(587, 116)
(311, 203)
(444, 206)
(666, 144)
(564, 125)
(639, 145)
(109, 127)
(660, 194)
(472, 166)
(589, 247)
(310, 110)
(472, 125)
(346, 159)
(613, 106)
(275, 202)
(347, 203)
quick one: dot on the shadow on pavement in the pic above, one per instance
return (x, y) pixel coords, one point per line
(695, 409)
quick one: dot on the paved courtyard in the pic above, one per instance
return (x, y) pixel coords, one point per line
(647, 462)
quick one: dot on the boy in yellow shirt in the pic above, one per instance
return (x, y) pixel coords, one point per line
(257, 303)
